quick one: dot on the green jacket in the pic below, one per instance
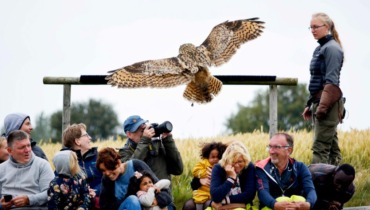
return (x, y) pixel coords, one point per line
(162, 156)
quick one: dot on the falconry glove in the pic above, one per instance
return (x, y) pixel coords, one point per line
(330, 95)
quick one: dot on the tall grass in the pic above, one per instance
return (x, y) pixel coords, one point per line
(354, 145)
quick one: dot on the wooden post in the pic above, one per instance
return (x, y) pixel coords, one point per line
(66, 117)
(273, 110)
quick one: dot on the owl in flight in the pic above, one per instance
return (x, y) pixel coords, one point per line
(190, 66)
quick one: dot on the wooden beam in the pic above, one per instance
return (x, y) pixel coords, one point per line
(272, 81)
(226, 80)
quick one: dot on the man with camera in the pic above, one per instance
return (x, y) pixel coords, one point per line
(154, 145)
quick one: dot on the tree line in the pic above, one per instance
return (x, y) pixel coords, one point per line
(102, 121)
(254, 116)
(100, 118)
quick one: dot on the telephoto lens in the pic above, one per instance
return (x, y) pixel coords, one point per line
(164, 127)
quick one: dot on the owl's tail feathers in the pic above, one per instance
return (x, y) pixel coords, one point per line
(202, 92)
(215, 85)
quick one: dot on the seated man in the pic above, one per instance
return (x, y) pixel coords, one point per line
(282, 176)
(24, 176)
(334, 184)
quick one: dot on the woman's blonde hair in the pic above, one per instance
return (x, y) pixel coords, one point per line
(75, 168)
(330, 23)
(233, 151)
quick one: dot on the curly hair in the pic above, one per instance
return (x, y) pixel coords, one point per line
(109, 157)
(134, 184)
(208, 147)
(233, 151)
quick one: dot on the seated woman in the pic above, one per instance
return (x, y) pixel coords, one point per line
(116, 177)
(233, 178)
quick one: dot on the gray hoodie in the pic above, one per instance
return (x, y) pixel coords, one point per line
(61, 162)
(14, 122)
(31, 179)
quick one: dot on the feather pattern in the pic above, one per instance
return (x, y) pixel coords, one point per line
(190, 65)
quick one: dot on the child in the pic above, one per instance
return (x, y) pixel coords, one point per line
(68, 190)
(148, 193)
(211, 153)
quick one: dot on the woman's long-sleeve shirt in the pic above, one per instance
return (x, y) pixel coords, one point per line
(221, 185)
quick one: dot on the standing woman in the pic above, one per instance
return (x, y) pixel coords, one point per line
(325, 104)
(233, 178)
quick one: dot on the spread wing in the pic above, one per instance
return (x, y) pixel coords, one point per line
(166, 72)
(225, 38)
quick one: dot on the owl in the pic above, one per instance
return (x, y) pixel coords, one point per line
(190, 66)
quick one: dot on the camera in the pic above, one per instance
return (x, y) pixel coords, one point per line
(164, 127)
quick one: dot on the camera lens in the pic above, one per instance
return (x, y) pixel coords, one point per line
(168, 126)
(164, 127)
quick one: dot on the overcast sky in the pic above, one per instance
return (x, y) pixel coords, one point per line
(73, 38)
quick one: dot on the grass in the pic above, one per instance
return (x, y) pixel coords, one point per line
(353, 143)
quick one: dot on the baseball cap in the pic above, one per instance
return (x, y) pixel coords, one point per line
(132, 123)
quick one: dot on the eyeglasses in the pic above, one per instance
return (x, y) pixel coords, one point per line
(86, 134)
(239, 162)
(315, 27)
(276, 147)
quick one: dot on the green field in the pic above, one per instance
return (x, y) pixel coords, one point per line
(354, 145)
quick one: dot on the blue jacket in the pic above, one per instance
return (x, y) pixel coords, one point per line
(269, 189)
(111, 198)
(87, 162)
(221, 185)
